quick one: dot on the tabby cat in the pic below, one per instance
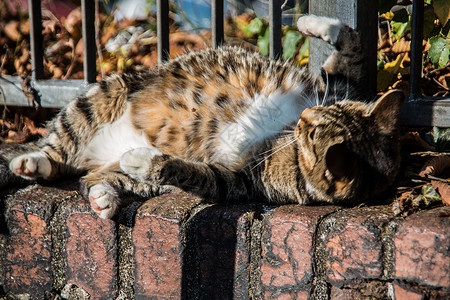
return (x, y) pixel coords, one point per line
(224, 124)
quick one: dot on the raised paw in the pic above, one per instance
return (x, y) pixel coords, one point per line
(322, 27)
(31, 165)
(137, 162)
(104, 200)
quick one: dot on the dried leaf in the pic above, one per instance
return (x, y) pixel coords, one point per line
(16, 137)
(12, 30)
(435, 166)
(413, 140)
(443, 189)
(29, 92)
(33, 129)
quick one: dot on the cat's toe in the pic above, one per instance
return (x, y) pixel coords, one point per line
(137, 162)
(322, 27)
(104, 200)
(31, 165)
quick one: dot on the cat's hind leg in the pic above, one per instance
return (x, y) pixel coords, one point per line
(106, 189)
(211, 181)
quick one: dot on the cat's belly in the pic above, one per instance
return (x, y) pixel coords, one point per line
(112, 141)
(266, 117)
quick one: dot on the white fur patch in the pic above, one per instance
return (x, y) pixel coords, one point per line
(103, 200)
(266, 117)
(113, 140)
(326, 28)
(31, 165)
(137, 162)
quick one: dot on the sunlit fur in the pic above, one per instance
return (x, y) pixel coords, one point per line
(227, 124)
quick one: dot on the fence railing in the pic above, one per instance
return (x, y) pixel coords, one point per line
(361, 14)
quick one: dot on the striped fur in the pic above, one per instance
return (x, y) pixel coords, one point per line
(224, 124)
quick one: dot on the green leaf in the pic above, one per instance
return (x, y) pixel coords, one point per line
(430, 194)
(428, 22)
(400, 28)
(442, 10)
(439, 51)
(439, 138)
(263, 42)
(256, 26)
(290, 42)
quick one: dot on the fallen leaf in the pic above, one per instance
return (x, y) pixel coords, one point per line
(29, 92)
(443, 189)
(12, 30)
(15, 137)
(435, 166)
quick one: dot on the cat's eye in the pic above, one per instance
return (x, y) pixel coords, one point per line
(312, 131)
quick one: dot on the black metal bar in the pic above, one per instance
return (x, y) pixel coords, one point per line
(162, 15)
(275, 49)
(416, 49)
(37, 49)
(217, 23)
(89, 47)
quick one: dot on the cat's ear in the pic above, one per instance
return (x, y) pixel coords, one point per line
(341, 162)
(387, 110)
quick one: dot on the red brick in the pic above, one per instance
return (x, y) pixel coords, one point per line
(422, 248)
(401, 293)
(344, 294)
(158, 245)
(287, 247)
(354, 247)
(360, 289)
(219, 247)
(91, 251)
(27, 262)
(287, 296)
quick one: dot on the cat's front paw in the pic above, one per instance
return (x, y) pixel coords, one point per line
(137, 163)
(31, 165)
(322, 27)
(104, 200)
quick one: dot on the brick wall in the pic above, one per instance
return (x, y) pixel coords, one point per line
(175, 246)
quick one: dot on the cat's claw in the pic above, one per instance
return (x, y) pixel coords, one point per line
(322, 27)
(104, 200)
(137, 162)
(31, 165)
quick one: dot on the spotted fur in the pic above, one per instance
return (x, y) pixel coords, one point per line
(224, 124)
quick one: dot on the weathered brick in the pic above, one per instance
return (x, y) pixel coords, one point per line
(360, 289)
(158, 245)
(402, 293)
(287, 249)
(27, 262)
(91, 251)
(217, 261)
(422, 253)
(354, 246)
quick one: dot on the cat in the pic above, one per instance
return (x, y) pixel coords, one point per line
(229, 125)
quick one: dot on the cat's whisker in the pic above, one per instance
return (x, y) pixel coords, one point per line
(277, 147)
(275, 152)
(325, 96)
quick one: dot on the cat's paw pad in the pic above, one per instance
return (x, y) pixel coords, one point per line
(31, 165)
(137, 162)
(322, 27)
(104, 200)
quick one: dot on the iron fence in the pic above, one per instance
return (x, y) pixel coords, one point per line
(361, 14)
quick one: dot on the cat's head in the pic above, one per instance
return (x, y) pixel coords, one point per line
(350, 150)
